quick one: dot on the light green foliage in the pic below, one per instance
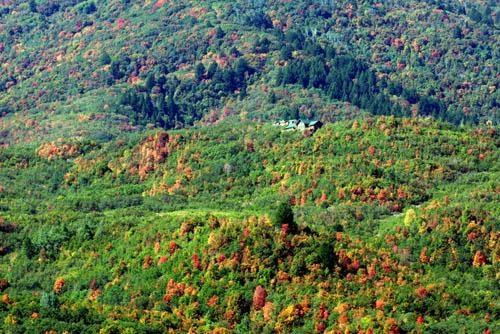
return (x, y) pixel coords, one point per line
(146, 247)
(410, 217)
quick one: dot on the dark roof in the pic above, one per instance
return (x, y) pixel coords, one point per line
(294, 123)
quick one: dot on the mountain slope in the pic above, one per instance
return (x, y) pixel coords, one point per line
(145, 188)
(173, 231)
(428, 59)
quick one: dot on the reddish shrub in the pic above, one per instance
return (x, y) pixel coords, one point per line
(371, 150)
(421, 292)
(196, 262)
(162, 260)
(285, 229)
(59, 285)
(147, 262)
(320, 328)
(250, 146)
(380, 304)
(259, 298)
(53, 150)
(173, 247)
(4, 284)
(173, 289)
(479, 259)
(212, 301)
(6, 299)
(423, 256)
(323, 313)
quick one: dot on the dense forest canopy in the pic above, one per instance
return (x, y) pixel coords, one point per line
(173, 63)
(147, 187)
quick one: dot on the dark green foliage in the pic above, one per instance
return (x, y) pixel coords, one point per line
(457, 32)
(326, 254)
(283, 214)
(431, 107)
(297, 29)
(32, 5)
(89, 7)
(258, 19)
(199, 72)
(219, 33)
(345, 78)
(150, 81)
(48, 301)
(105, 59)
(192, 98)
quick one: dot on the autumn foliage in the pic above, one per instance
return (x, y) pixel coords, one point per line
(259, 298)
(55, 150)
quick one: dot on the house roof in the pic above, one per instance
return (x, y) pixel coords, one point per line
(295, 123)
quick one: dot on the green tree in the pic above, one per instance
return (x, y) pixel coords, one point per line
(219, 33)
(199, 72)
(212, 69)
(105, 59)
(457, 32)
(150, 81)
(115, 70)
(284, 216)
(32, 5)
(286, 52)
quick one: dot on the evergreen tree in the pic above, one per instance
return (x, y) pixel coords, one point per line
(475, 14)
(457, 32)
(317, 74)
(89, 8)
(295, 39)
(286, 52)
(284, 214)
(243, 92)
(104, 59)
(171, 111)
(150, 81)
(487, 19)
(272, 98)
(235, 52)
(199, 72)
(212, 69)
(280, 77)
(228, 78)
(29, 249)
(241, 68)
(32, 5)
(115, 70)
(160, 82)
(219, 33)
(289, 75)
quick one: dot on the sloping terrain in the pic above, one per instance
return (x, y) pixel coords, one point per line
(144, 187)
(395, 230)
(174, 62)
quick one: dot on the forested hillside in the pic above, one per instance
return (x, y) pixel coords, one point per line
(145, 187)
(172, 63)
(384, 224)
